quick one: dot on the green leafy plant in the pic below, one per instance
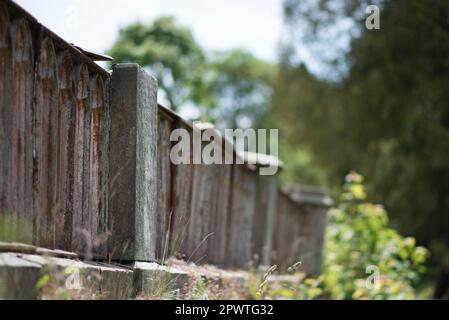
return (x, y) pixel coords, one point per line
(364, 257)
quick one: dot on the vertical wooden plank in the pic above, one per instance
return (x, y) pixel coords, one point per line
(260, 221)
(5, 122)
(97, 227)
(45, 126)
(181, 202)
(182, 187)
(164, 211)
(193, 231)
(242, 212)
(66, 136)
(278, 234)
(312, 236)
(104, 168)
(81, 158)
(21, 131)
(295, 221)
(219, 219)
(305, 245)
(287, 236)
(207, 188)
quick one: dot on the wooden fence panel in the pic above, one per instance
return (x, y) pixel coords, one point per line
(287, 234)
(194, 234)
(98, 227)
(220, 215)
(312, 235)
(46, 115)
(182, 188)
(204, 203)
(81, 159)
(65, 145)
(164, 209)
(244, 189)
(182, 177)
(260, 218)
(55, 131)
(6, 81)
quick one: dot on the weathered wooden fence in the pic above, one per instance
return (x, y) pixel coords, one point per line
(54, 137)
(299, 228)
(85, 167)
(205, 212)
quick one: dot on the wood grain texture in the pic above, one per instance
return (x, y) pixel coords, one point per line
(260, 219)
(287, 234)
(5, 122)
(312, 238)
(97, 226)
(54, 134)
(244, 188)
(65, 154)
(21, 133)
(81, 159)
(220, 215)
(164, 180)
(46, 129)
(205, 187)
(181, 201)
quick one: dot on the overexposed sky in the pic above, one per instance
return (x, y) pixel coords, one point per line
(217, 24)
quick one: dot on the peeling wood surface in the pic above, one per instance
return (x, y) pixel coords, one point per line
(54, 133)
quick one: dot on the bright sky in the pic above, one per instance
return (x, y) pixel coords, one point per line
(217, 24)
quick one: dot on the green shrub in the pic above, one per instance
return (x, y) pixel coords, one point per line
(364, 258)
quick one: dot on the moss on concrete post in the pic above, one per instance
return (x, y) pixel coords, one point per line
(133, 164)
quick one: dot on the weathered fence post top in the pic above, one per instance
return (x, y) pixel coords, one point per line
(133, 163)
(310, 195)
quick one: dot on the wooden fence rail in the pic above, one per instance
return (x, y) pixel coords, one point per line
(85, 167)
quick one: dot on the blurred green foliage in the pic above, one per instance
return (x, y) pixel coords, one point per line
(384, 110)
(364, 258)
(231, 86)
(359, 236)
(170, 52)
(384, 113)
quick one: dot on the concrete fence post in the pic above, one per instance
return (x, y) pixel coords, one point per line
(133, 164)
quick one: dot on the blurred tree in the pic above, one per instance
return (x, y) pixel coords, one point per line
(172, 54)
(387, 115)
(241, 86)
(232, 86)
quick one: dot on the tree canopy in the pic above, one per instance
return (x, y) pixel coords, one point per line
(233, 86)
(387, 115)
(170, 51)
